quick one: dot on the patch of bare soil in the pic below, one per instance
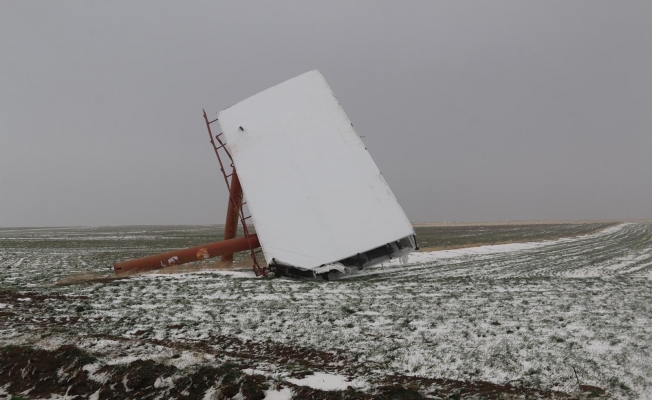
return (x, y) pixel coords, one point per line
(249, 351)
(33, 373)
(69, 371)
(25, 306)
(99, 277)
(11, 297)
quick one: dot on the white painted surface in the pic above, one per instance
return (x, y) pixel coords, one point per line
(314, 193)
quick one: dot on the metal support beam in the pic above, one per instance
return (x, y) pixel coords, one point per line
(232, 213)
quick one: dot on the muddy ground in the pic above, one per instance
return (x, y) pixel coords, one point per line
(69, 371)
(227, 368)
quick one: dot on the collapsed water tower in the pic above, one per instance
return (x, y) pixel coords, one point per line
(300, 178)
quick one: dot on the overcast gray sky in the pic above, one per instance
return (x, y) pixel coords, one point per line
(473, 111)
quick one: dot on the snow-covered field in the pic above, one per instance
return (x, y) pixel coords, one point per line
(540, 314)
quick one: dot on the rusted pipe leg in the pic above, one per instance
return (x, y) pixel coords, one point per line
(232, 213)
(191, 254)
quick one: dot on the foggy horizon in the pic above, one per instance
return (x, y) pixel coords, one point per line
(473, 112)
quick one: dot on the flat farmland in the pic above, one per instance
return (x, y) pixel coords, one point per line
(550, 311)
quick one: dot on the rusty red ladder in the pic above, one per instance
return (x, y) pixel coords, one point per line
(255, 252)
